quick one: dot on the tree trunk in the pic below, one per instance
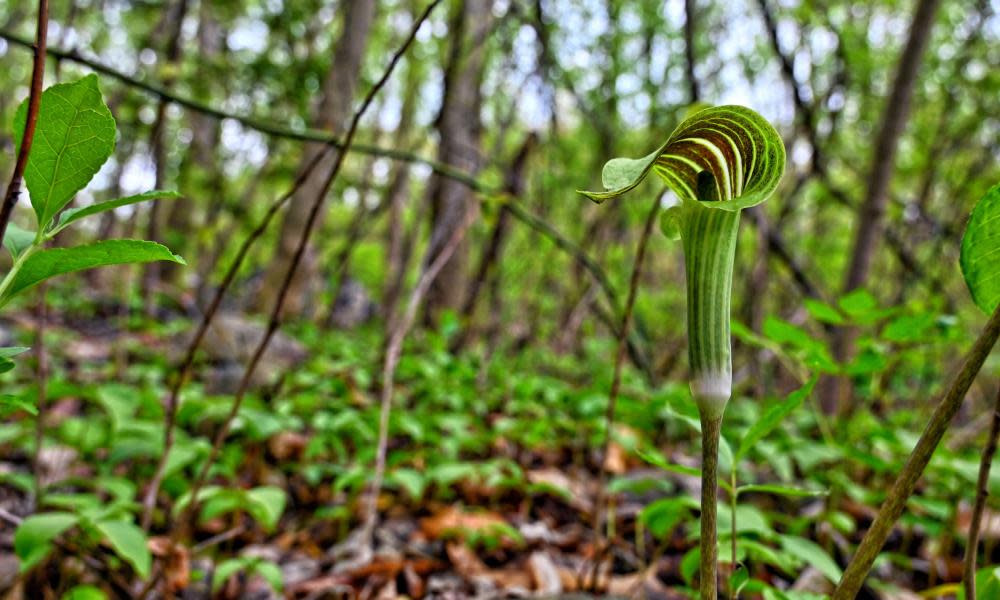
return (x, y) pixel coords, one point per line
(201, 169)
(331, 114)
(871, 215)
(460, 126)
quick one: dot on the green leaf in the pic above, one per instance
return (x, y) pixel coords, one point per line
(271, 573)
(225, 570)
(56, 261)
(17, 239)
(74, 136)
(780, 490)
(980, 257)
(266, 504)
(662, 516)
(773, 417)
(6, 364)
(9, 404)
(71, 215)
(11, 351)
(728, 153)
(823, 312)
(34, 536)
(85, 592)
(411, 480)
(129, 542)
(812, 554)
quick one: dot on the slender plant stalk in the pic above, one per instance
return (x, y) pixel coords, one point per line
(616, 380)
(394, 349)
(183, 371)
(733, 497)
(972, 547)
(857, 570)
(711, 431)
(275, 318)
(34, 101)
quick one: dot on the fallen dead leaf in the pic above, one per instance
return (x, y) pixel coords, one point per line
(453, 520)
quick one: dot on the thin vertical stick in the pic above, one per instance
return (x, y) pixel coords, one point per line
(711, 431)
(972, 547)
(616, 381)
(857, 570)
(34, 100)
(392, 354)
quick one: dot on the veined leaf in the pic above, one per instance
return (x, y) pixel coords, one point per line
(17, 239)
(725, 153)
(773, 417)
(6, 364)
(981, 252)
(129, 542)
(33, 538)
(780, 490)
(74, 136)
(56, 261)
(9, 404)
(72, 215)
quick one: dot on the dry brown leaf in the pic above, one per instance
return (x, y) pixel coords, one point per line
(578, 496)
(452, 520)
(287, 445)
(176, 562)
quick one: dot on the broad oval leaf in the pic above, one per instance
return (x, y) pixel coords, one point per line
(17, 239)
(56, 261)
(980, 258)
(129, 542)
(33, 538)
(74, 136)
(725, 153)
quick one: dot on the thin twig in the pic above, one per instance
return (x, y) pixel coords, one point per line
(275, 318)
(34, 101)
(184, 370)
(857, 570)
(616, 381)
(392, 354)
(972, 547)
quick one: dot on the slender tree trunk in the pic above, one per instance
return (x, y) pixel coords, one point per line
(459, 125)
(870, 220)
(397, 244)
(171, 32)
(513, 185)
(690, 27)
(201, 169)
(332, 113)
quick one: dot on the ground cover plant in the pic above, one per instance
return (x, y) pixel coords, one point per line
(403, 357)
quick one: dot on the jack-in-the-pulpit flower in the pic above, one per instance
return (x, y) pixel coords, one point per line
(718, 161)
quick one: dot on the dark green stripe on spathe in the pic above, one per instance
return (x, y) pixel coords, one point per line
(709, 237)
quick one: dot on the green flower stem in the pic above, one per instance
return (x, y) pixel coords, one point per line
(709, 236)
